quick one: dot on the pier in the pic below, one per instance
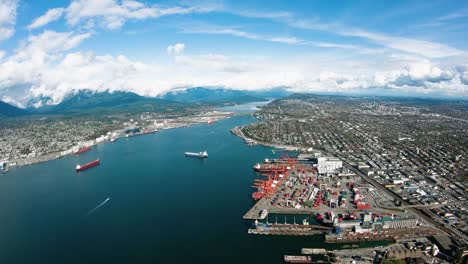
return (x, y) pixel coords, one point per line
(256, 210)
(284, 232)
(391, 235)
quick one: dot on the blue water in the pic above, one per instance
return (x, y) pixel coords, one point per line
(162, 207)
(245, 108)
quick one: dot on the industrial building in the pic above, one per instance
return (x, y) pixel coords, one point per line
(328, 165)
(400, 223)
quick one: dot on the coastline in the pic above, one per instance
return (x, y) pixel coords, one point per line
(219, 115)
(238, 132)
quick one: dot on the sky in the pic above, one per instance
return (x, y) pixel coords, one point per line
(49, 49)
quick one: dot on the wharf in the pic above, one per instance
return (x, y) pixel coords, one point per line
(288, 229)
(256, 210)
(313, 251)
(381, 236)
(285, 232)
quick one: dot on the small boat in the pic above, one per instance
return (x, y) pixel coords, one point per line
(202, 155)
(87, 165)
(211, 122)
(114, 139)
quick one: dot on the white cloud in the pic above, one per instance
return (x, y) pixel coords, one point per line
(215, 30)
(112, 14)
(50, 16)
(419, 47)
(455, 15)
(7, 18)
(428, 49)
(48, 43)
(175, 49)
(44, 69)
(46, 64)
(12, 101)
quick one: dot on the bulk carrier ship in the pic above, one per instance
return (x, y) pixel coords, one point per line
(81, 150)
(202, 155)
(87, 165)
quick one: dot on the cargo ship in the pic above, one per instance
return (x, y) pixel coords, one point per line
(87, 165)
(297, 259)
(81, 150)
(202, 155)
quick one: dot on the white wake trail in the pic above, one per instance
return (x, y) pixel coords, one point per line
(97, 207)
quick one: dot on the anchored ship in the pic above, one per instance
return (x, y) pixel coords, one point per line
(202, 155)
(87, 165)
(81, 150)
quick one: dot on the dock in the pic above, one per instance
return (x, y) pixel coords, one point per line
(284, 232)
(313, 251)
(255, 212)
(390, 235)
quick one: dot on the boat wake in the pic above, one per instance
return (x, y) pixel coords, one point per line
(97, 207)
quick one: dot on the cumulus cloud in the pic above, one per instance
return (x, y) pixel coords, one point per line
(463, 71)
(50, 16)
(48, 43)
(175, 49)
(25, 68)
(7, 18)
(52, 71)
(12, 101)
(47, 65)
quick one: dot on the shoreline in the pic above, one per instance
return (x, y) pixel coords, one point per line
(59, 154)
(238, 132)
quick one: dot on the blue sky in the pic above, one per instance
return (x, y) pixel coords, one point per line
(409, 48)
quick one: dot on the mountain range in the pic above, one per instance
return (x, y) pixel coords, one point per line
(8, 110)
(212, 96)
(89, 102)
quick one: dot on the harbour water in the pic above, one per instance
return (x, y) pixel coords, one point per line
(161, 207)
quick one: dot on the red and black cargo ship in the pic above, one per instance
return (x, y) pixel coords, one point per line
(87, 165)
(81, 150)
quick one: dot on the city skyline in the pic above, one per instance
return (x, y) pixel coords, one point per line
(399, 48)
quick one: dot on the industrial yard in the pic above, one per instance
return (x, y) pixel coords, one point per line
(319, 195)
(398, 161)
(326, 191)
